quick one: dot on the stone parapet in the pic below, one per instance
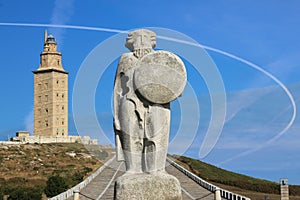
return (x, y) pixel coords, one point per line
(44, 139)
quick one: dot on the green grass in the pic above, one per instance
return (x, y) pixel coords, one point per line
(217, 175)
(28, 167)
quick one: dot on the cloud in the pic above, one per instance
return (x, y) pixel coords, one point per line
(29, 122)
(286, 67)
(268, 117)
(236, 102)
(255, 120)
(62, 13)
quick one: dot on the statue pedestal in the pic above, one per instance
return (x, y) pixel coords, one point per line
(160, 186)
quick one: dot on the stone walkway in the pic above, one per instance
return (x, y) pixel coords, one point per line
(102, 187)
(190, 189)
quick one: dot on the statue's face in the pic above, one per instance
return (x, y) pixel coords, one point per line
(141, 41)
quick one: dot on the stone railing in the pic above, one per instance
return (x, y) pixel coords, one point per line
(9, 143)
(225, 194)
(67, 194)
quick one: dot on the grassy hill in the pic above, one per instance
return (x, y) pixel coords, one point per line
(246, 185)
(25, 169)
(28, 167)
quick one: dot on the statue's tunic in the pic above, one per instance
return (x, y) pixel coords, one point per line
(142, 128)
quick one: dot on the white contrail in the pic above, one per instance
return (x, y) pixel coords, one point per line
(65, 26)
(259, 69)
(279, 83)
(192, 44)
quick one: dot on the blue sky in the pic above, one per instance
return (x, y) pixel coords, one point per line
(266, 33)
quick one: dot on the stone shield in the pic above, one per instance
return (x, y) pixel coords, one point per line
(160, 77)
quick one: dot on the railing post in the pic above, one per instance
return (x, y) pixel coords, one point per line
(76, 195)
(217, 194)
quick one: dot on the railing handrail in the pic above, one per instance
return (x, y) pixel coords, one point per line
(211, 187)
(67, 194)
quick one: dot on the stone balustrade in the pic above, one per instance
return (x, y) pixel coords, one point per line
(225, 194)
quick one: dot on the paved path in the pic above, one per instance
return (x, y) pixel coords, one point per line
(190, 189)
(102, 187)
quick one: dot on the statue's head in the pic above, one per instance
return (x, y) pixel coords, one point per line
(141, 39)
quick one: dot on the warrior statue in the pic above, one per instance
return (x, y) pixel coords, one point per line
(146, 82)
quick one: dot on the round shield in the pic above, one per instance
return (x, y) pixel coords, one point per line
(160, 77)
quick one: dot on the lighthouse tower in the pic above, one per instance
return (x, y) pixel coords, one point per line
(50, 93)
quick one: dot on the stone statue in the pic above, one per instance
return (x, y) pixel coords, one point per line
(146, 82)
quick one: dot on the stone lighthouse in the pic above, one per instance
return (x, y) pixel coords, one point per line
(50, 93)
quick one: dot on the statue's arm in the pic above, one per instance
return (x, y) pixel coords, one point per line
(117, 96)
